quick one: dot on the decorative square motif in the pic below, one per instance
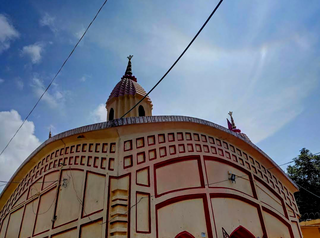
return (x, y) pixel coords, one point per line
(78, 148)
(151, 140)
(152, 154)
(251, 160)
(254, 169)
(225, 145)
(247, 165)
(218, 142)
(103, 164)
(232, 148)
(140, 142)
(258, 165)
(228, 155)
(190, 147)
(171, 137)
(89, 162)
(213, 150)
(163, 151)
(113, 148)
(141, 158)
(71, 160)
(180, 136)
(245, 156)
(104, 147)
(181, 148)
(76, 160)
(188, 136)
(84, 147)
(90, 147)
(241, 161)
(211, 140)
(97, 149)
(127, 161)
(128, 145)
(96, 162)
(204, 138)
(111, 164)
(239, 152)
(206, 149)
(161, 138)
(198, 148)
(196, 137)
(220, 152)
(172, 149)
(234, 158)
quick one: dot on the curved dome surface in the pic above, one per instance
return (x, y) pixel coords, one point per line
(127, 86)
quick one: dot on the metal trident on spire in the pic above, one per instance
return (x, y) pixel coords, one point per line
(129, 69)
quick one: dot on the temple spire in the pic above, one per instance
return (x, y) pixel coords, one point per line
(129, 68)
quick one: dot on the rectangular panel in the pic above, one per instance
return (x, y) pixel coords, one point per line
(67, 234)
(269, 198)
(70, 197)
(14, 223)
(94, 193)
(186, 215)
(50, 179)
(35, 188)
(22, 198)
(28, 219)
(275, 227)
(178, 175)
(230, 213)
(218, 174)
(45, 212)
(143, 212)
(4, 227)
(296, 229)
(93, 229)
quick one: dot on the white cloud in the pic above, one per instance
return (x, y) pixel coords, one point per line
(48, 20)
(34, 52)
(19, 84)
(21, 146)
(99, 114)
(7, 33)
(52, 99)
(85, 77)
(79, 33)
(1, 80)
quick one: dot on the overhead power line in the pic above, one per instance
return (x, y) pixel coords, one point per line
(63, 64)
(185, 50)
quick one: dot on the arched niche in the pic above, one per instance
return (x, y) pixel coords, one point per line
(184, 234)
(241, 232)
(111, 114)
(142, 112)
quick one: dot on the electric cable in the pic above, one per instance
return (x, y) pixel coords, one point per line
(172, 66)
(74, 48)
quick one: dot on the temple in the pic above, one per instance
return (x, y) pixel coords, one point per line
(139, 175)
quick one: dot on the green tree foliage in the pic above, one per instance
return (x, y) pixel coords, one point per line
(306, 173)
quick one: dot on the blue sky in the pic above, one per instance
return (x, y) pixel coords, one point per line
(259, 59)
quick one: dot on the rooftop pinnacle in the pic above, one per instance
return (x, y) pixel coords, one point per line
(129, 69)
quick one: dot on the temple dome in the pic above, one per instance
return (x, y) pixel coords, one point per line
(127, 86)
(125, 95)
